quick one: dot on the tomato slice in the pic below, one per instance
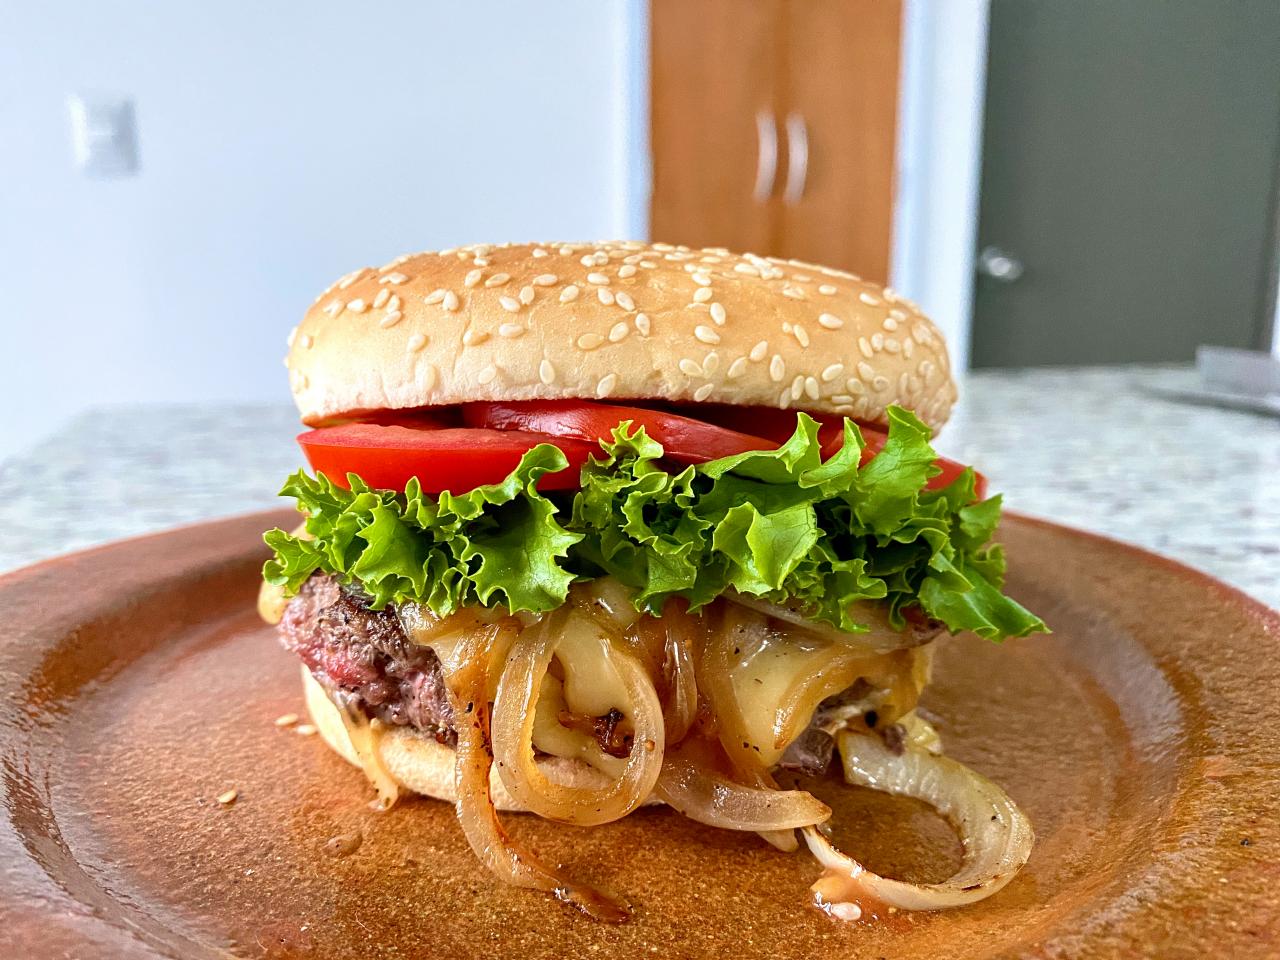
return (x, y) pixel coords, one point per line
(455, 459)
(778, 425)
(683, 439)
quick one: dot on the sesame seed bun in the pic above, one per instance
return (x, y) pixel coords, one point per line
(618, 321)
(421, 765)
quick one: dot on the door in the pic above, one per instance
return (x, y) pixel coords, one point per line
(773, 126)
(1129, 167)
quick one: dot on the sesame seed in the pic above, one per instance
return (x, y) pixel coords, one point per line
(417, 342)
(827, 290)
(831, 372)
(642, 323)
(334, 308)
(802, 278)
(589, 341)
(396, 277)
(747, 269)
(717, 313)
(619, 331)
(777, 369)
(450, 301)
(922, 333)
(793, 293)
(690, 368)
(797, 387)
(568, 294)
(877, 341)
(702, 295)
(566, 251)
(383, 296)
(357, 306)
(539, 252)
(787, 326)
(624, 300)
(866, 371)
(784, 398)
(759, 350)
(880, 384)
(391, 319)
(588, 261)
(869, 300)
(701, 279)
(351, 278)
(288, 341)
(481, 261)
(706, 334)
(736, 369)
(545, 280)
(286, 720)
(606, 384)
(597, 278)
(511, 330)
(703, 391)
(710, 363)
(626, 270)
(908, 347)
(811, 387)
(890, 324)
(526, 295)
(487, 375)
(830, 321)
(472, 278)
(892, 344)
(497, 280)
(547, 372)
(855, 386)
(647, 265)
(228, 798)
(605, 296)
(926, 369)
(435, 296)
(473, 337)
(510, 304)
(865, 347)
(842, 399)
(802, 335)
(394, 302)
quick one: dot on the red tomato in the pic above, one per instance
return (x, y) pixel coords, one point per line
(455, 459)
(778, 425)
(683, 439)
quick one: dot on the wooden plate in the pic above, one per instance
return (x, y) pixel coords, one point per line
(1141, 738)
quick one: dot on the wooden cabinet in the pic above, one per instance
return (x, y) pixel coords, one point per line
(774, 125)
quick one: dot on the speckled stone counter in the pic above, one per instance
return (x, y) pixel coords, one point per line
(1084, 447)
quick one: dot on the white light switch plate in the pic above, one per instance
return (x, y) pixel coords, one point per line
(104, 136)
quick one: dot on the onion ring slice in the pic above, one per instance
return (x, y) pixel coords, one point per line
(514, 714)
(701, 794)
(467, 687)
(996, 835)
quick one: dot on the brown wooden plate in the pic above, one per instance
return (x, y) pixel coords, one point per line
(1141, 738)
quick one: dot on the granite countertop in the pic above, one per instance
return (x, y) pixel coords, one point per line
(1085, 447)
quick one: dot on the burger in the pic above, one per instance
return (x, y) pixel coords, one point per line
(595, 526)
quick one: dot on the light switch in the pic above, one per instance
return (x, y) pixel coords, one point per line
(104, 136)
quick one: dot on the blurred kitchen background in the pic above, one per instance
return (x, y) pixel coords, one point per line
(1057, 183)
(1084, 194)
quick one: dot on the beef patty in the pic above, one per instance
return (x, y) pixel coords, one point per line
(364, 659)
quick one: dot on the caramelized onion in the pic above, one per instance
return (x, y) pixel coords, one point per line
(690, 785)
(467, 686)
(997, 837)
(515, 711)
(881, 637)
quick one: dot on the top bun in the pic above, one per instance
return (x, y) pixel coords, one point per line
(623, 320)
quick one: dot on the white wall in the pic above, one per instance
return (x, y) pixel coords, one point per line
(282, 144)
(940, 161)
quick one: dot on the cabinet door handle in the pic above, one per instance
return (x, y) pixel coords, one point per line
(766, 155)
(797, 159)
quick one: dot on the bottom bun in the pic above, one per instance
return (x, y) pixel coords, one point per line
(422, 765)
